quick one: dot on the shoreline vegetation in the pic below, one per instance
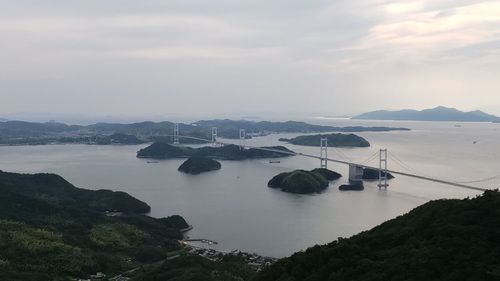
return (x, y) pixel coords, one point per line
(32, 133)
(447, 239)
(52, 230)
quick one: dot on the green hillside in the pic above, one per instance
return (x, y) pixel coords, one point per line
(51, 230)
(441, 240)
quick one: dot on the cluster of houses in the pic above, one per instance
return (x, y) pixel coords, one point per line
(256, 261)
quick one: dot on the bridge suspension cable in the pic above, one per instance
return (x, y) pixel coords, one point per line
(341, 154)
(374, 156)
(407, 174)
(482, 180)
(407, 167)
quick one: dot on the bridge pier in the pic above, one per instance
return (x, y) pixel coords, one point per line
(382, 172)
(324, 153)
(214, 136)
(243, 137)
(176, 134)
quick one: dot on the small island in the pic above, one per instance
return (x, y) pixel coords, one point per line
(358, 186)
(162, 150)
(304, 182)
(334, 140)
(198, 165)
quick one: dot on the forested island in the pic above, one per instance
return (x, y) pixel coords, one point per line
(161, 150)
(334, 140)
(439, 113)
(304, 182)
(51, 230)
(197, 165)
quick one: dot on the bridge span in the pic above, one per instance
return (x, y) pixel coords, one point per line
(324, 159)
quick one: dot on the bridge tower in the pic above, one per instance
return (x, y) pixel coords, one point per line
(214, 136)
(176, 133)
(324, 152)
(243, 137)
(382, 172)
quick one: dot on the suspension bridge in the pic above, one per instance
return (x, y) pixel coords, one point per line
(382, 155)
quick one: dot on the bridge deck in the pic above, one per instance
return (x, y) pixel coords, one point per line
(347, 163)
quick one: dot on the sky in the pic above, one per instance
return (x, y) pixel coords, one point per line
(247, 57)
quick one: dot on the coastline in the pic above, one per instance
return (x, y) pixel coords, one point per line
(258, 262)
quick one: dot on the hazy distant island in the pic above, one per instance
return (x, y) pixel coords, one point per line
(161, 150)
(352, 186)
(304, 182)
(31, 133)
(334, 140)
(446, 239)
(198, 165)
(439, 113)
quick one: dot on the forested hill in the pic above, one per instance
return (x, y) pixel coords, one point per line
(335, 140)
(441, 240)
(51, 230)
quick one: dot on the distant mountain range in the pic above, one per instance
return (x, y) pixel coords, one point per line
(439, 113)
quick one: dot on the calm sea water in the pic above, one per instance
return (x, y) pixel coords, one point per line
(234, 207)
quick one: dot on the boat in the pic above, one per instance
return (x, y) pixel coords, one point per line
(150, 162)
(274, 161)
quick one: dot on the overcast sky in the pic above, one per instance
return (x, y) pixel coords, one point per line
(240, 57)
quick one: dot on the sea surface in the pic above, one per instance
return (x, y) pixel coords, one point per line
(234, 206)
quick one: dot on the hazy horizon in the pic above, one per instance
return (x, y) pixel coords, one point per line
(85, 119)
(222, 58)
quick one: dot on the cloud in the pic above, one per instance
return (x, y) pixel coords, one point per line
(291, 50)
(430, 32)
